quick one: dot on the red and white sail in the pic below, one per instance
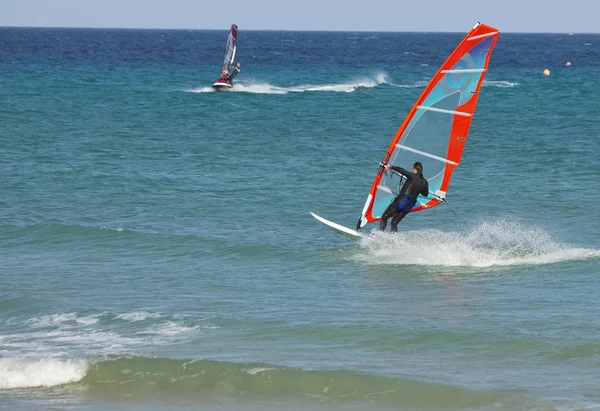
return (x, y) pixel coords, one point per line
(435, 130)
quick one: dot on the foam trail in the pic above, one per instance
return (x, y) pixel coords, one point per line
(257, 88)
(379, 79)
(29, 373)
(265, 88)
(492, 243)
(200, 90)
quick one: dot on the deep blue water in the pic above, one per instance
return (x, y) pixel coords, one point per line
(158, 251)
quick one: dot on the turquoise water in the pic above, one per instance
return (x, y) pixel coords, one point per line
(158, 251)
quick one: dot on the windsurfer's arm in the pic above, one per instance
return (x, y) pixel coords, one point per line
(425, 190)
(401, 170)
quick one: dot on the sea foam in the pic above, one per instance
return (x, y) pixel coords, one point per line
(266, 88)
(29, 373)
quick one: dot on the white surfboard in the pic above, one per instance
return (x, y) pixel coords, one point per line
(340, 228)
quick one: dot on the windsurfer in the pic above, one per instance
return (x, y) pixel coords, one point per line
(415, 184)
(234, 72)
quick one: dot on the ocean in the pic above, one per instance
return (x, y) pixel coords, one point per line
(158, 252)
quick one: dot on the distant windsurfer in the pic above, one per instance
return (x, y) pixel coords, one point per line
(405, 201)
(234, 72)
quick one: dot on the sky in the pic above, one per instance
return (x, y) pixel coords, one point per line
(522, 16)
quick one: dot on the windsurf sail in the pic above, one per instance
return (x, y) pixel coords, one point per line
(230, 48)
(435, 130)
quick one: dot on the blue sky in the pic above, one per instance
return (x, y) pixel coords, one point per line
(576, 16)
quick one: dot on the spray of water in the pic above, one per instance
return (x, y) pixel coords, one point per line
(486, 244)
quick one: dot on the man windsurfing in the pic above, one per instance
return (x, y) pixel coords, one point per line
(405, 201)
(234, 72)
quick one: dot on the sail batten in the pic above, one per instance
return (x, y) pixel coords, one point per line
(423, 153)
(463, 71)
(436, 128)
(440, 110)
(482, 36)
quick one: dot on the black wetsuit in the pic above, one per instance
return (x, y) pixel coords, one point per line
(415, 184)
(234, 72)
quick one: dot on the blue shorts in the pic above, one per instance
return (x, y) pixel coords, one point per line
(405, 203)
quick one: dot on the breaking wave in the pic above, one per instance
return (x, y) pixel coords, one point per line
(207, 380)
(30, 373)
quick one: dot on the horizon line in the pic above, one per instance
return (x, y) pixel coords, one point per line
(281, 30)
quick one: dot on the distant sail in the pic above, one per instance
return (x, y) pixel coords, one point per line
(230, 48)
(435, 130)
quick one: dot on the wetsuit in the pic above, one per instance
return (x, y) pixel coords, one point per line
(234, 72)
(415, 184)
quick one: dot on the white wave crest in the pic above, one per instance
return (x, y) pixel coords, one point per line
(64, 318)
(495, 243)
(60, 336)
(499, 83)
(138, 316)
(254, 371)
(169, 328)
(29, 373)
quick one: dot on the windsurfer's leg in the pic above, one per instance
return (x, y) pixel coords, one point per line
(383, 222)
(390, 211)
(395, 221)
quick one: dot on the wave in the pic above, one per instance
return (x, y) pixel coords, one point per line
(32, 373)
(137, 316)
(27, 232)
(144, 377)
(60, 319)
(96, 234)
(487, 244)
(51, 336)
(265, 88)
